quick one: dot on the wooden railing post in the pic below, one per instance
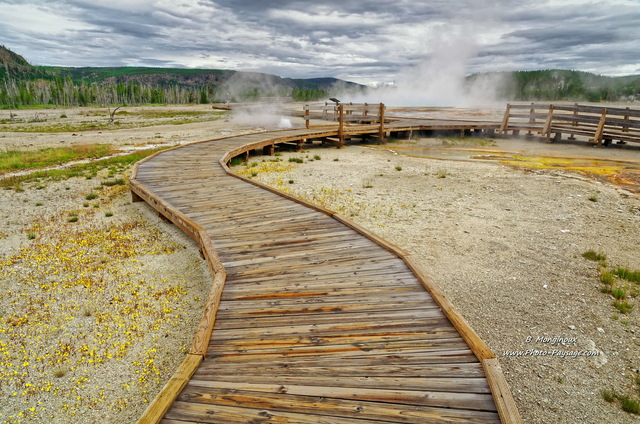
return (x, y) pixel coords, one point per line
(341, 124)
(383, 139)
(307, 114)
(546, 131)
(505, 119)
(598, 136)
(532, 118)
(625, 128)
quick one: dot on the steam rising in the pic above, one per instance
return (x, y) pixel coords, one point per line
(448, 50)
(440, 80)
(260, 116)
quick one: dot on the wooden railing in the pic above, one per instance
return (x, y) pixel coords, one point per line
(346, 114)
(601, 125)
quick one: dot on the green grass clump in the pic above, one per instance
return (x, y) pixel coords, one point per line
(236, 161)
(625, 274)
(593, 198)
(609, 396)
(14, 160)
(623, 306)
(619, 293)
(297, 160)
(398, 168)
(79, 170)
(91, 196)
(629, 405)
(607, 277)
(592, 255)
(111, 183)
(317, 157)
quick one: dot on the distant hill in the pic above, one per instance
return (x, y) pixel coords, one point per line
(31, 85)
(14, 65)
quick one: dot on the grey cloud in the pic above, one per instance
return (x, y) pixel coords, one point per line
(365, 39)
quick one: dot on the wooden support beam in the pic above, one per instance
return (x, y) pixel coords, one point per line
(268, 150)
(135, 198)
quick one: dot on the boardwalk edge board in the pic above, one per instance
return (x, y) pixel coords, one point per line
(499, 387)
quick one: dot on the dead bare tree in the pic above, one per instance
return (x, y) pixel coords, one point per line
(112, 115)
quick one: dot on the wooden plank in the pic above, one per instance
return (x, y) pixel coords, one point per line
(436, 384)
(337, 408)
(443, 356)
(461, 370)
(403, 397)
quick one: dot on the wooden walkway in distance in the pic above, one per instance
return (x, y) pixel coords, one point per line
(314, 319)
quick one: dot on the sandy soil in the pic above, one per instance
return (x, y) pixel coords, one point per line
(504, 244)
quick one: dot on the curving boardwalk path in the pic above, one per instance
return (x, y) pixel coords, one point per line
(319, 321)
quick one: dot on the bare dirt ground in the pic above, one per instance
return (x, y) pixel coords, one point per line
(504, 243)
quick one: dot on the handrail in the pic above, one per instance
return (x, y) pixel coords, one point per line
(601, 124)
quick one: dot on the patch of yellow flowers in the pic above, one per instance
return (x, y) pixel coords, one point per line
(76, 303)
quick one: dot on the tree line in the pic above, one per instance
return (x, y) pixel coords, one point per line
(65, 92)
(553, 85)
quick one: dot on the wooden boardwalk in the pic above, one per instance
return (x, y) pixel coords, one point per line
(314, 319)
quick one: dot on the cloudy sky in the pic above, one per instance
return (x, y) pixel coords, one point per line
(365, 41)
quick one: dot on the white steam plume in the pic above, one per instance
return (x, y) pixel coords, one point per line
(440, 78)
